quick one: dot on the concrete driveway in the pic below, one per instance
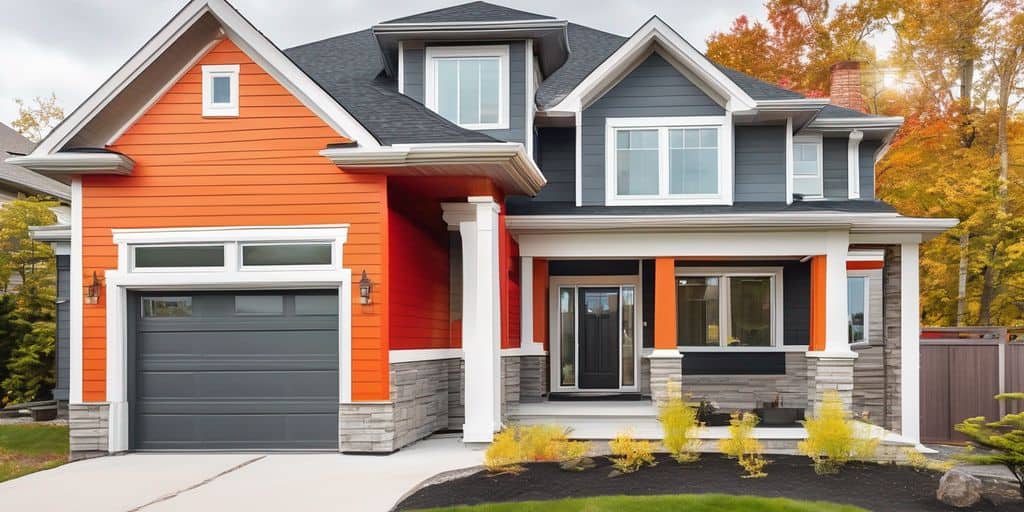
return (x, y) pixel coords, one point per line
(250, 482)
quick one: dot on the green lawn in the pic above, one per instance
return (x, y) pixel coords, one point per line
(26, 449)
(688, 502)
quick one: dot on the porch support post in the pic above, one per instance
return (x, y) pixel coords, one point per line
(830, 364)
(666, 361)
(477, 222)
(910, 337)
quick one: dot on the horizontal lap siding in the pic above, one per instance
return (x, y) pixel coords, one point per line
(262, 168)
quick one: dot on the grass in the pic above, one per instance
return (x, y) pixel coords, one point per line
(26, 449)
(688, 502)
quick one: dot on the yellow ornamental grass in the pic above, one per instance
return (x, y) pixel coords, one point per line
(680, 426)
(532, 443)
(628, 454)
(743, 446)
(833, 438)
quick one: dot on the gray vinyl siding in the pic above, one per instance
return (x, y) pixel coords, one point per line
(413, 69)
(61, 391)
(867, 168)
(653, 89)
(415, 86)
(556, 156)
(835, 167)
(760, 163)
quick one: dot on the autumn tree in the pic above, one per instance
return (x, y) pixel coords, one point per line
(35, 120)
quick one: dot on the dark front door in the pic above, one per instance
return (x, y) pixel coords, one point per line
(599, 338)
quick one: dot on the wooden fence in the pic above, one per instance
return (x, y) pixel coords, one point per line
(962, 369)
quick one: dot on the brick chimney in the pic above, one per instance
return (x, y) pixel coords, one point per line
(845, 86)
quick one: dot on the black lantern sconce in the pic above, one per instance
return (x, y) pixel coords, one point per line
(365, 289)
(92, 291)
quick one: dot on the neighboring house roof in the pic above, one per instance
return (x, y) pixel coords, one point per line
(472, 11)
(20, 179)
(350, 69)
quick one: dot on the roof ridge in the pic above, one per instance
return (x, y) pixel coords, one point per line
(406, 19)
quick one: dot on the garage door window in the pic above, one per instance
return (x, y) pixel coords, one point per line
(259, 304)
(307, 305)
(285, 255)
(178, 256)
(166, 307)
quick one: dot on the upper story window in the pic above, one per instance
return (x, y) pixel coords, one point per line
(667, 160)
(807, 166)
(468, 85)
(220, 90)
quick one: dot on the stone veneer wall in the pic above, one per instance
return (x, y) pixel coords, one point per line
(663, 371)
(533, 378)
(509, 383)
(869, 367)
(732, 392)
(456, 399)
(891, 352)
(827, 374)
(89, 430)
(418, 408)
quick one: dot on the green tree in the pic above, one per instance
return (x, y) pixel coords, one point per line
(1005, 438)
(35, 121)
(8, 336)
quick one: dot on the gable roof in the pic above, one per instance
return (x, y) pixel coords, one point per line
(471, 12)
(12, 144)
(350, 69)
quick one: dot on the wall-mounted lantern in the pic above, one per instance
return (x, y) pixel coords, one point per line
(92, 291)
(365, 289)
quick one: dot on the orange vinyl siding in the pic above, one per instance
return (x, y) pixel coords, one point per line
(665, 304)
(540, 301)
(818, 297)
(261, 168)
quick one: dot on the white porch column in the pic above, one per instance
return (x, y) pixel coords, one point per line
(910, 339)
(837, 334)
(477, 222)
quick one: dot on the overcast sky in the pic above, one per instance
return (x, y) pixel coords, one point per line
(70, 47)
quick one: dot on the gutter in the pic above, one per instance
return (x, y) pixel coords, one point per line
(508, 158)
(76, 163)
(863, 123)
(855, 222)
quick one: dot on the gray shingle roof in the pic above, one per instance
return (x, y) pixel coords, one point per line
(758, 89)
(13, 143)
(350, 69)
(588, 48)
(473, 11)
(835, 111)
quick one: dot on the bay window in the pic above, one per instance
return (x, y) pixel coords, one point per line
(468, 85)
(671, 160)
(729, 307)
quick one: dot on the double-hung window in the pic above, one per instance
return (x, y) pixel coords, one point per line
(807, 166)
(667, 160)
(468, 85)
(728, 307)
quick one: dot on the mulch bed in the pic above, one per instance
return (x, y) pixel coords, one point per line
(880, 487)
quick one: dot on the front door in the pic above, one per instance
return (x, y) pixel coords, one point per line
(599, 338)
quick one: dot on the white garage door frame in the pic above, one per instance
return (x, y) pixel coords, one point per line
(229, 277)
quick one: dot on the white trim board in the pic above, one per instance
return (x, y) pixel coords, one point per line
(424, 354)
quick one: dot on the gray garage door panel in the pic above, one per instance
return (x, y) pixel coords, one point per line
(212, 378)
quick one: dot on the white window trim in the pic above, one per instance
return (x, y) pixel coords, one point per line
(121, 281)
(813, 138)
(853, 164)
(663, 124)
(724, 305)
(435, 53)
(211, 109)
(866, 276)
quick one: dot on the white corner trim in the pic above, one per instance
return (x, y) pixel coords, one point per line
(211, 72)
(579, 157)
(531, 92)
(853, 164)
(500, 51)
(401, 67)
(663, 125)
(75, 162)
(789, 160)
(656, 31)
(910, 331)
(247, 37)
(75, 296)
(426, 354)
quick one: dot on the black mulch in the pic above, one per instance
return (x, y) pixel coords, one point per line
(879, 487)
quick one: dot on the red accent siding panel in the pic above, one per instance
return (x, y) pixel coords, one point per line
(511, 297)
(864, 265)
(260, 168)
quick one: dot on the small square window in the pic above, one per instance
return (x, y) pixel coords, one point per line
(220, 90)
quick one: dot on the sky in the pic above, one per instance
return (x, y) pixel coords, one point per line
(69, 47)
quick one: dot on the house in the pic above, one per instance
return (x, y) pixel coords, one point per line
(463, 218)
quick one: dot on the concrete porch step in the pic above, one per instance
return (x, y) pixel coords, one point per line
(592, 420)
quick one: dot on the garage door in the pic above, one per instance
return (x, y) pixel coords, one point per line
(234, 371)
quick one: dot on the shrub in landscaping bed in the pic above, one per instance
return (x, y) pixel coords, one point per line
(743, 446)
(832, 437)
(533, 443)
(680, 427)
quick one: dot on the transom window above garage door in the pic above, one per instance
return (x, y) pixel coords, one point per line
(231, 249)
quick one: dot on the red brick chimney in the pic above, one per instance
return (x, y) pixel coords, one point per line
(845, 86)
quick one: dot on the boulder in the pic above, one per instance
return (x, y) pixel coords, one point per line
(959, 489)
(577, 464)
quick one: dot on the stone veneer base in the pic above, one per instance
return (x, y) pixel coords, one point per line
(88, 430)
